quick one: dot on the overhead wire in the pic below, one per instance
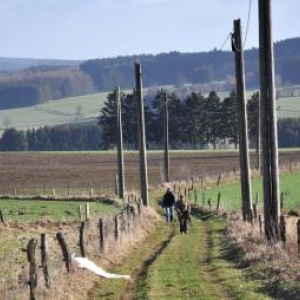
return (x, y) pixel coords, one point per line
(219, 49)
(248, 21)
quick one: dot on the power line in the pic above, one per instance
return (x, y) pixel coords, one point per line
(248, 21)
(218, 51)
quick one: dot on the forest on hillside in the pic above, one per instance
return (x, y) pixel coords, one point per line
(210, 70)
(213, 70)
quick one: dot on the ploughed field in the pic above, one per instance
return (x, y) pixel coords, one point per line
(34, 173)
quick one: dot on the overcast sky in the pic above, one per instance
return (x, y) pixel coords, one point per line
(85, 29)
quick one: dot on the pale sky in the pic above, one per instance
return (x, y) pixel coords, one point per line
(86, 29)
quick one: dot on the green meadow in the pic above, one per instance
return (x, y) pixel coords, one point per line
(231, 193)
(55, 211)
(54, 112)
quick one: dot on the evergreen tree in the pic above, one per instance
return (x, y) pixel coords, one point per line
(213, 118)
(108, 123)
(129, 121)
(253, 118)
(13, 140)
(194, 114)
(229, 119)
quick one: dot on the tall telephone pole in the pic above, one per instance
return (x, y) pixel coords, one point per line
(243, 130)
(268, 122)
(142, 134)
(166, 134)
(121, 181)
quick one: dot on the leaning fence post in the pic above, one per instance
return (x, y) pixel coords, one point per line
(32, 267)
(45, 259)
(65, 251)
(81, 240)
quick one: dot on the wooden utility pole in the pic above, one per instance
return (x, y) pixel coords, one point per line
(166, 134)
(121, 176)
(268, 122)
(243, 130)
(142, 134)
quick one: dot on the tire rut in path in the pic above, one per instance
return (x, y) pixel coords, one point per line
(195, 249)
(140, 272)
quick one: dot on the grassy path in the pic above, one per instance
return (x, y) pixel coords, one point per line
(182, 271)
(170, 265)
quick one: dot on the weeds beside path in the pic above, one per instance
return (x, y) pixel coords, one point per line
(170, 265)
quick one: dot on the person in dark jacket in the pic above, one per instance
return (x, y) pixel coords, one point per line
(183, 213)
(168, 203)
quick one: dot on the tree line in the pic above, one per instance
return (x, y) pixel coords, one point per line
(195, 122)
(58, 138)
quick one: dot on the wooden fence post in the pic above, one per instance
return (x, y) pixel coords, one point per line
(116, 228)
(298, 237)
(260, 224)
(218, 201)
(65, 251)
(32, 268)
(45, 260)
(219, 180)
(139, 207)
(195, 196)
(81, 239)
(101, 236)
(209, 203)
(254, 210)
(1, 217)
(87, 212)
(281, 200)
(282, 230)
(80, 212)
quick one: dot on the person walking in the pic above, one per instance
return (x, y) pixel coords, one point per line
(168, 203)
(183, 213)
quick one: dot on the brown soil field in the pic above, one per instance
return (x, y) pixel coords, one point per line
(34, 173)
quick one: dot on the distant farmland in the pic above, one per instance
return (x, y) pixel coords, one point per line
(34, 173)
(85, 108)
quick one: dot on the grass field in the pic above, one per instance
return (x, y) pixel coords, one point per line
(54, 211)
(56, 112)
(82, 108)
(231, 192)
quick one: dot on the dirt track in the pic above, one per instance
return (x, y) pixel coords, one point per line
(34, 172)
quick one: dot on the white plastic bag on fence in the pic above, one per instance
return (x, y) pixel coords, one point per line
(84, 262)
